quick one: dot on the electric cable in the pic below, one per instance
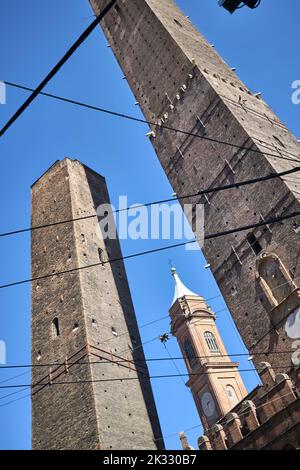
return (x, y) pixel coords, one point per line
(156, 125)
(121, 379)
(178, 198)
(156, 250)
(58, 66)
(28, 395)
(154, 359)
(240, 414)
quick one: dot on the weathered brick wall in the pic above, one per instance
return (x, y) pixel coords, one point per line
(267, 420)
(88, 304)
(179, 79)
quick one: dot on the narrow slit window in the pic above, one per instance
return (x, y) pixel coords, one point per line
(254, 244)
(100, 254)
(55, 328)
(279, 141)
(178, 23)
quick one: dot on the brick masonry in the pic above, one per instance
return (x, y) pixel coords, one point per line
(88, 304)
(267, 419)
(179, 79)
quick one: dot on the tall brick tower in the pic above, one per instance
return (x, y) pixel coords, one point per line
(214, 379)
(179, 80)
(84, 321)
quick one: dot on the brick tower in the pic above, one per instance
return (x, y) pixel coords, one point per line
(214, 380)
(85, 322)
(180, 81)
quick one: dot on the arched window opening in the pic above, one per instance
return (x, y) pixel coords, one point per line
(254, 244)
(211, 342)
(190, 354)
(274, 278)
(55, 328)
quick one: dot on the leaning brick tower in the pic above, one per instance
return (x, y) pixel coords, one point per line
(181, 82)
(90, 389)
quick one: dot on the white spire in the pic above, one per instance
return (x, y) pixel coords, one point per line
(180, 289)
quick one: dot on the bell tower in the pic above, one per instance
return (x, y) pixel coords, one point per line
(214, 379)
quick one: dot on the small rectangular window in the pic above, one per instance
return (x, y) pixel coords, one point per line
(254, 244)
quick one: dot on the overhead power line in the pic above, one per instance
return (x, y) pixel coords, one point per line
(266, 353)
(151, 359)
(156, 250)
(190, 428)
(56, 364)
(162, 201)
(154, 124)
(58, 66)
(121, 379)
(274, 326)
(140, 346)
(14, 393)
(273, 400)
(262, 353)
(133, 118)
(28, 395)
(212, 298)
(14, 377)
(186, 430)
(135, 348)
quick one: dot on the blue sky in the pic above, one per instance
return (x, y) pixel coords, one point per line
(261, 44)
